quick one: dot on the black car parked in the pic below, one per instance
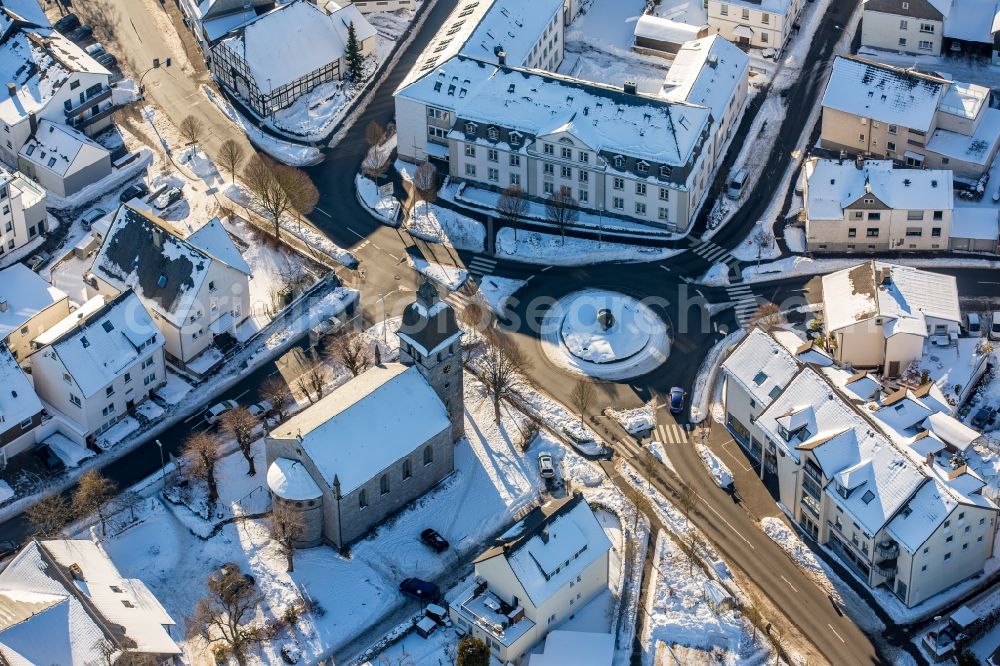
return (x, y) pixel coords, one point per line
(49, 460)
(420, 589)
(133, 191)
(81, 33)
(984, 416)
(437, 542)
(67, 22)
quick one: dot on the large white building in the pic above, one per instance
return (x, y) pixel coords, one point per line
(863, 470)
(22, 211)
(763, 24)
(196, 287)
(536, 575)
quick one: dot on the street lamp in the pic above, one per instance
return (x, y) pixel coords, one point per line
(163, 466)
(155, 65)
(381, 299)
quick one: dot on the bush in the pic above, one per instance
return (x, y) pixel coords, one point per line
(472, 652)
(291, 615)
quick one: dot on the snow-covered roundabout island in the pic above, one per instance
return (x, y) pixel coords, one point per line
(604, 334)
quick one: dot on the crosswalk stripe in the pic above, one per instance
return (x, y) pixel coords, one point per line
(716, 254)
(739, 289)
(672, 433)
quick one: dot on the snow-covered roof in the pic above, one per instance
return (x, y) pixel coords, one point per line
(18, 400)
(579, 648)
(101, 339)
(62, 149)
(976, 222)
(28, 12)
(38, 62)
(951, 431)
(928, 508)
(971, 21)
(665, 30)
(367, 424)
(144, 253)
(294, 40)
(834, 185)
(537, 103)
(884, 93)
(213, 8)
(290, 480)
(61, 599)
(217, 28)
(762, 365)
(977, 148)
(964, 100)
(25, 294)
(878, 289)
(707, 72)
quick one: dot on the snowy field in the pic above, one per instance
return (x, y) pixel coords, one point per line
(554, 250)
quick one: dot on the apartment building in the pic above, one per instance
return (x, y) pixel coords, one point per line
(872, 206)
(22, 211)
(763, 24)
(909, 26)
(881, 490)
(914, 119)
(97, 364)
(29, 306)
(62, 159)
(20, 409)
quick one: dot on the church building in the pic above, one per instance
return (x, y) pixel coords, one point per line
(379, 441)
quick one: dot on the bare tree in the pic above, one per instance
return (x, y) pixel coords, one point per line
(374, 133)
(375, 164)
(191, 129)
(691, 544)
(477, 319)
(763, 238)
(92, 494)
(130, 501)
(302, 192)
(231, 156)
(49, 516)
(767, 315)
(512, 207)
(583, 396)
(503, 365)
(687, 499)
(224, 616)
(265, 180)
(201, 454)
(276, 391)
(241, 424)
(561, 210)
(287, 526)
(425, 182)
(352, 350)
(314, 379)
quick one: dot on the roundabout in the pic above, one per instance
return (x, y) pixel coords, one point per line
(604, 334)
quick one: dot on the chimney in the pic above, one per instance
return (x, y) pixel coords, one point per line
(859, 162)
(630, 88)
(3, 305)
(886, 276)
(11, 89)
(713, 61)
(501, 56)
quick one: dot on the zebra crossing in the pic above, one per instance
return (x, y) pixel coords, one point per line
(746, 302)
(481, 265)
(713, 253)
(672, 433)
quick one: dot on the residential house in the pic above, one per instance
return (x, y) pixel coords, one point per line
(879, 315)
(871, 206)
(29, 306)
(860, 469)
(763, 24)
(65, 602)
(656, 35)
(196, 287)
(535, 576)
(212, 20)
(914, 119)
(20, 409)
(380, 441)
(23, 217)
(97, 364)
(909, 26)
(283, 54)
(369, 6)
(63, 160)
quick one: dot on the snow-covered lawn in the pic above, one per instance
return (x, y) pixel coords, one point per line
(795, 238)
(498, 291)
(386, 208)
(312, 116)
(758, 244)
(450, 277)
(437, 224)
(640, 419)
(554, 250)
(174, 389)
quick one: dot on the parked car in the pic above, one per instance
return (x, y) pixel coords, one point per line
(984, 416)
(90, 217)
(68, 22)
(260, 409)
(37, 261)
(215, 412)
(973, 327)
(437, 542)
(545, 466)
(107, 60)
(995, 326)
(420, 589)
(677, 400)
(734, 188)
(133, 192)
(168, 198)
(82, 32)
(95, 49)
(48, 458)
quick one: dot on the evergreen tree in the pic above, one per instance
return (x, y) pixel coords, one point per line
(355, 60)
(472, 652)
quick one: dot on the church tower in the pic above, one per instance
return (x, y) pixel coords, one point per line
(430, 339)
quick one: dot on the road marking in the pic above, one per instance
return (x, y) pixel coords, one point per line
(738, 459)
(545, 269)
(323, 211)
(728, 524)
(793, 587)
(835, 633)
(982, 282)
(353, 231)
(665, 268)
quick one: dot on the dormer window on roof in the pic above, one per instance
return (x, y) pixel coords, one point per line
(515, 138)
(619, 162)
(642, 167)
(470, 128)
(665, 171)
(494, 133)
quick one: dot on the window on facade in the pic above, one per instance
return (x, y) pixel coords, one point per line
(363, 498)
(765, 18)
(914, 215)
(548, 169)
(664, 194)
(584, 176)
(493, 174)
(640, 208)
(548, 188)
(566, 172)
(872, 233)
(428, 455)
(724, 10)
(584, 156)
(567, 153)
(383, 484)
(745, 14)
(407, 469)
(618, 203)
(492, 155)
(548, 149)
(515, 179)
(927, 28)
(110, 391)
(618, 183)
(640, 189)
(470, 150)
(515, 160)
(858, 215)
(936, 232)
(663, 213)
(947, 556)
(852, 232)
(470, 170)
(914, 231)
(583, 196)
(904, 24)
(925, 45)
(874, 216)
(75, 399)
(763, 36)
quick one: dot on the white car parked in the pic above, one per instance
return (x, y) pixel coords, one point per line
(215, 412)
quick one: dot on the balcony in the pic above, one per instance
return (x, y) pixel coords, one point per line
(80, 123)
(90, 100)
(886, 569)
(887, 550)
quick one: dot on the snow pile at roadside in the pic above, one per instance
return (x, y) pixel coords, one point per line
(6, 492)
(640, 419)
(720, 473)
(451, 277)
(716, 276)
(385, 208)
(790, 542)
(384, 335)
(759, 244)
(498, 291)
(803, 266)
(702, 393)
(795, 238)
(436, 224)
(658, 452)
(554, 250)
